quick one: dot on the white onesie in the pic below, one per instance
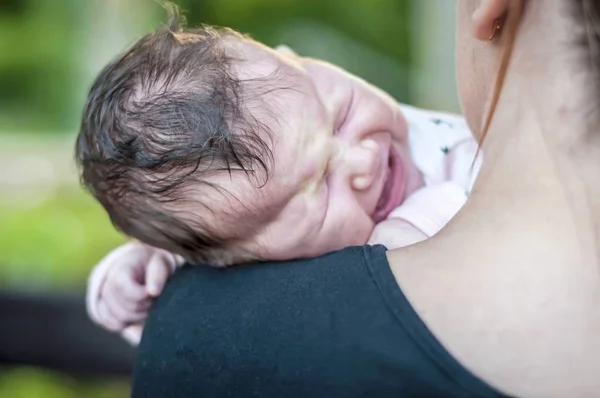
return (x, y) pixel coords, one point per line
(443, 150)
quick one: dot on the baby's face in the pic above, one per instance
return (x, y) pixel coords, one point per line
(341, 158)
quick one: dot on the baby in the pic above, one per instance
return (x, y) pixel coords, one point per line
(210, 147)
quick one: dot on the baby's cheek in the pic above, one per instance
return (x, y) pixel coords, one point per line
(358, 236)
(363, 229)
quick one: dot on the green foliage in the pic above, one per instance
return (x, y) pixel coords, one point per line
(35, 383)
(40, 43)
(359, 35)
(55, 241)
(37, 65)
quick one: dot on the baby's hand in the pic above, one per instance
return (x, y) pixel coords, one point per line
(420, 216)
(396, 233)
(123, 285)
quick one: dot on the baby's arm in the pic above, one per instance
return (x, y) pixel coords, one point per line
(122, 286)
(420, 216)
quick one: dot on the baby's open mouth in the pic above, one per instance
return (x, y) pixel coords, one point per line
(393, 188)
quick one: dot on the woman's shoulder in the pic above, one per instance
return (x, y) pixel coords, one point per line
(353, 260)
(333, 325)
(513, 304)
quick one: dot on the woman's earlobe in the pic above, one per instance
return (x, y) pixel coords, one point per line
(487, 19)
(495, 30)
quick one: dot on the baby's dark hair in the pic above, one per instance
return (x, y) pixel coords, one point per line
(161, 119)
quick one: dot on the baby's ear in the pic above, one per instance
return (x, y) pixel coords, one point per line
(283, 49)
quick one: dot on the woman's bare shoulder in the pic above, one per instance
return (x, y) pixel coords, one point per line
(517, 310)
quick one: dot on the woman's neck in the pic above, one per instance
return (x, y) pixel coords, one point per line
(541, 149)
(541, 158)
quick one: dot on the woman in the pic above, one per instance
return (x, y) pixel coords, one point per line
(502, 302)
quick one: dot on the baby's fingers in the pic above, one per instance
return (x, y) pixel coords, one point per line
(158, 271)
(124, 295)
(133, 333)
(121, 313)
(106, 318)
(124, 284)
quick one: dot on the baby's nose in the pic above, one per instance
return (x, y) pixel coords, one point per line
(364, 163)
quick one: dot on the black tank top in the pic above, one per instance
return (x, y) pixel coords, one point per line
(332, 326)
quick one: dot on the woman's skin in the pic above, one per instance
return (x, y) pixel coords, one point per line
(519, 264)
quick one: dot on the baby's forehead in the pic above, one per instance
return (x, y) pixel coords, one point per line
(254, 60)
(239, 204)
(260, 63)
(277, 94)
(236, 206)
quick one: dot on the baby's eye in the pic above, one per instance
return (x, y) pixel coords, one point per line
(344, 114)
(326, 175)
(332, 160)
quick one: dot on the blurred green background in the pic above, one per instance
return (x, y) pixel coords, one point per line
(51, 232)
